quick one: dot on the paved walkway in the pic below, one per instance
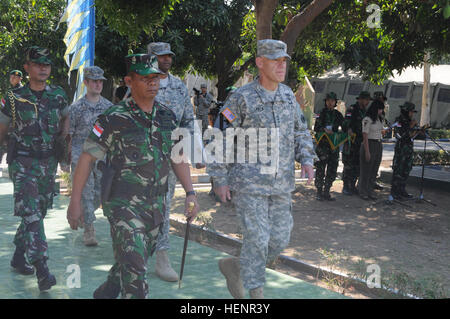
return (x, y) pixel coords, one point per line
(202, 278)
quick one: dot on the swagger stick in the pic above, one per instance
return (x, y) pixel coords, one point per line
(186, 238)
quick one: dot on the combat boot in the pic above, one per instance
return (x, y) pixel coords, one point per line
(326, 195)
(20, 264)
(229, 267)
(257, 293)
(404, 193)
(353, 188)
(163, 268)
(89, 235)
(107, 290)
(319, 196)
(347, 190)
(45, 279)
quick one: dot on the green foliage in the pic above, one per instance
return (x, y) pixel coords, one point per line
(24, 23)
(431, 157)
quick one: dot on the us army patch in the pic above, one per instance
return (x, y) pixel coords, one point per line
(229, 115)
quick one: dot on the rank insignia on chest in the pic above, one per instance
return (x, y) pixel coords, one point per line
(98, 130)
(229, 115)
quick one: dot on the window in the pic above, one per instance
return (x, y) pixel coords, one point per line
(355, 88)
(444, 95)
(399, 92)
(319, 86)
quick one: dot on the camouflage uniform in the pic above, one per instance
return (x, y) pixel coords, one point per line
(202, 104)
(328, 158)
(404, 152)
(263, 201)
(138, 144)
(82, 118)
(37, 125)
(350, 151)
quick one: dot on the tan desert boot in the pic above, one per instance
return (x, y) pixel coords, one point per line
(257, 293)
(163, 268)
(89, 235)
(229, 267)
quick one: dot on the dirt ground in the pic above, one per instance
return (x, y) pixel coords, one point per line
(411, 244)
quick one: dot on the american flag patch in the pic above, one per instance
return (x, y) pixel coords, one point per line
(229, 115)
(98, 130)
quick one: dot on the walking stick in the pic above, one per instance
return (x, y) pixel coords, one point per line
(186, 238)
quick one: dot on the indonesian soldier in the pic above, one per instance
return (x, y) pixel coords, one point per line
(261, 190)
(202, 104)
(135, 137)
(174, 95)
(350, 151)
(15, 79)
(38, 114)
(326, 128)
(83, 114)
(404, 150)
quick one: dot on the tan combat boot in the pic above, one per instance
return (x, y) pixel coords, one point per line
(163, 268)
(229, 267)
(257, 293)
(89, 235)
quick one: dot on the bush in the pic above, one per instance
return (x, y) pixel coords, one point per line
(431, 157)
(439, 134)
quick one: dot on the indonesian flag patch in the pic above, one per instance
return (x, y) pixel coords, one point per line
(98, 130)
(3, 102)
(229, 115)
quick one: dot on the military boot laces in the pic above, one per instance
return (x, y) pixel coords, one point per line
(107, 290)
(20, 264)
(45, 279)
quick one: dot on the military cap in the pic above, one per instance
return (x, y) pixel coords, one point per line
(38, 55)
(408, 106)
(142, 64)
(203, 86)
(364, 95)
(93, 73)
(16, 72)
(379, 95)
(331, 95)
(272, 49)
(159, 48)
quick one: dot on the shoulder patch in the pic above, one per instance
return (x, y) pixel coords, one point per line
(229, 115)
(98, 130)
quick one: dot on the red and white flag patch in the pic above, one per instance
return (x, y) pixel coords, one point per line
(3, 102)
(98, 130)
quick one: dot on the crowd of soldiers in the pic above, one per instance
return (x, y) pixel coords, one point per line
(362, 126)
(120, 158)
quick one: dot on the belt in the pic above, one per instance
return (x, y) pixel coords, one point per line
(35, 154)
(149, 192)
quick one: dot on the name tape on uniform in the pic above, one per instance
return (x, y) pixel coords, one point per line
(229, 115)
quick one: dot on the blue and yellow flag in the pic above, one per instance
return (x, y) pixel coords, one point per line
(79, 39)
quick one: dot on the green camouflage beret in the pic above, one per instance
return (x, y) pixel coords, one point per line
(408, 106)
(142, 64)
(38, 55)
(16, 72)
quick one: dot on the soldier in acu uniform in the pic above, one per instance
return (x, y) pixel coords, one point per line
(38, 114)
(350, 151)
(202, 104)
(261, 192)
(135, 137)
(328, 123)
(83, 114)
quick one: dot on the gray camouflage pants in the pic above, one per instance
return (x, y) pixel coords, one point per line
(266, 228)
(163, 236)
(90, 197)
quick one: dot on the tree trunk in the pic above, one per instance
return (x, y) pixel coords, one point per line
(264, 10)
(425, 113)
(300, 21)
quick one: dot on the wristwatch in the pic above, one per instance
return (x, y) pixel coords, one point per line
(190, 193)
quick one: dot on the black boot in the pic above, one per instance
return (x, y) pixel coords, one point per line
(327, 196)
(319, 194)
(346, 190)
(45, 279)
(353, 188)
(404, 193)
(20, 264)
(107, 290)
